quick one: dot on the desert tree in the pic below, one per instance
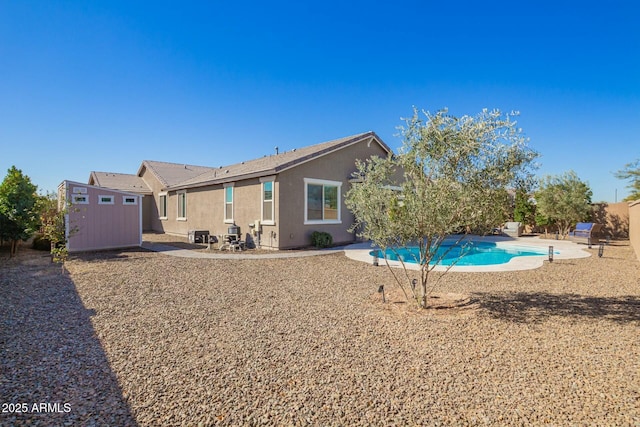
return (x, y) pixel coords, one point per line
(450, 177)
(631, 172)
(18, 208)
(563, 200)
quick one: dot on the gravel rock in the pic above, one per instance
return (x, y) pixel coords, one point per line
(136, 337)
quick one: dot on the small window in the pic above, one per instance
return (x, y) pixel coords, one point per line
(162, 205)
(129, 200)
(267, 202)
(322, 202)
(228, 204)
(105, 200)
(182, 205)
(80, 199)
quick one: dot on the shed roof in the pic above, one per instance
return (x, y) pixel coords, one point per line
(119, 181)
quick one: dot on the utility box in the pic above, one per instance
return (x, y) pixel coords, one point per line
(198, 236)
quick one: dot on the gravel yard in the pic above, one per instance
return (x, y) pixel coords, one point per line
(142, 338)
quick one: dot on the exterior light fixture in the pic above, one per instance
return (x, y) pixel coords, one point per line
(375, 259)
(414, 282)
(381, 291)
(600, 250)
(550, 253)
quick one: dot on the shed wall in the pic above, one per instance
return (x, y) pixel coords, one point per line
(95, 226)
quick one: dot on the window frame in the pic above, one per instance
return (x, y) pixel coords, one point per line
(324, 183)
(75, 199)
(125, 203)
(182, 199)
(106, 196)
(226, 191)
(163, 206)
(263, 182)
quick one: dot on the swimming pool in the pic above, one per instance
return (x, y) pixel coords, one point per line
(468, 253)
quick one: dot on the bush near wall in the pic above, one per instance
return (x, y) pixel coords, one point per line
(321, 239)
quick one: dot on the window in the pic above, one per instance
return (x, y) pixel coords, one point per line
(162, 205)
(322, 201)
(129, 200)
(182, 205)
(80, 199)
(267, 202)
(105, 200)
(228, 203)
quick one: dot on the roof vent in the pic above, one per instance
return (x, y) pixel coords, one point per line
(226, 171)
(276, 150)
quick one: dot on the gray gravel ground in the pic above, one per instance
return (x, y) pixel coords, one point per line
(136, 337)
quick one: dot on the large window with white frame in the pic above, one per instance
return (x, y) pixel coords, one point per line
(322, 201)
(162, 205)
(182, 205)
(268, 201)
(228, 203)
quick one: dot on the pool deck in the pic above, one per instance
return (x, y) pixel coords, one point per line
(563, 249)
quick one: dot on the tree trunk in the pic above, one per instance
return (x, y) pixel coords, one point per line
(13, 249)
(424, 294)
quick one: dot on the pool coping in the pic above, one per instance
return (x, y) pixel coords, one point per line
(563, 249)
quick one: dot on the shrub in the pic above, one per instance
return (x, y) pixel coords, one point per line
(321, 239)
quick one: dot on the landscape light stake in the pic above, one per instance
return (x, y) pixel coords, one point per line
(414, 282)
(600, 250)
(550, 253)
(375, 259)
(381, 291)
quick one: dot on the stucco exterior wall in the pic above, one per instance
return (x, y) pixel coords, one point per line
(634, 226)
(151, 206)
(206, 205)
(337, 166)
(95, 226)
(206, 210)
(614, 216)
(148, 207)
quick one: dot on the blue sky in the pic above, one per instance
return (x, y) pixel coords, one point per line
(103, 85)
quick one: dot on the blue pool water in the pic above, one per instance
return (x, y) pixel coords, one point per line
(470, 253)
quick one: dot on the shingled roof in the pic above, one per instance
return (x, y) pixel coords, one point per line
(119, 181)
(274, 163)
(171, 174)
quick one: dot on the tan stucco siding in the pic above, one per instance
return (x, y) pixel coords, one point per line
(206, 209)
(337, 166)
(152, 213)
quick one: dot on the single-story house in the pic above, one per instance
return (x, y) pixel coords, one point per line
(99, 218)
(277, 200)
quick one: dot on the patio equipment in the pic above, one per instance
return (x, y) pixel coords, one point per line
(586, 232)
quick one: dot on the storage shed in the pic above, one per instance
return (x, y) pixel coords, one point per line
(99, 218)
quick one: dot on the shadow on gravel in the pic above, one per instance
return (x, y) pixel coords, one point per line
(53, 369)
(536, 307)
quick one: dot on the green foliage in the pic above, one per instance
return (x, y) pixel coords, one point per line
(524, 210)
(563, 201)
(321, 239)
(18, 208)
(53, 228)
(631, 172)
(450, 175)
